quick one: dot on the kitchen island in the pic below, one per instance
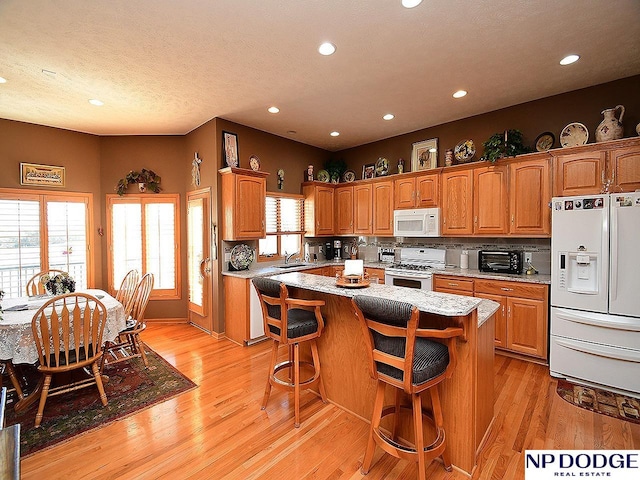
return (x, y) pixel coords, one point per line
(467, 398)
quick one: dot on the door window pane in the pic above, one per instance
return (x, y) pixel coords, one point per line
(67, 240)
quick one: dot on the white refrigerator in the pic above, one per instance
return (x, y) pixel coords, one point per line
(595, 290)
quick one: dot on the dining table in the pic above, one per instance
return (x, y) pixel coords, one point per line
(17, 344)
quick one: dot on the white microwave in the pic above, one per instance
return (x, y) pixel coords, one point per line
(422, 222)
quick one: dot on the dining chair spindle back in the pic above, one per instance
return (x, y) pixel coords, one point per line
(68, 333)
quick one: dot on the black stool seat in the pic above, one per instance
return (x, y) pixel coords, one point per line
(299, 323)
(411, 360)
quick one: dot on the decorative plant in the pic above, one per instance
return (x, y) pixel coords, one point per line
(59, 284)
(335, 168)
(505, 144)
(146, 177)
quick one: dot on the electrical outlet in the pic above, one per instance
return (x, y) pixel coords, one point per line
(527, 258)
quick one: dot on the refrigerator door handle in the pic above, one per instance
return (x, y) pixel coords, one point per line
(619, 354)
(575, 317)
(613, 286)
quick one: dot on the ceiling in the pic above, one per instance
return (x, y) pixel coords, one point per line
(167, 67)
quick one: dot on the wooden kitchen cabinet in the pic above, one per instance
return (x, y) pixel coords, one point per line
(624, 168)
(490, 200)
(242, 187)
(452, 284)
(529, 197)
(417, 192)
(243, 314)
(343, 210)
(382, 201)
(318, 209)
(457, 202)
(362, 209)
(579, 173)
(524, 309)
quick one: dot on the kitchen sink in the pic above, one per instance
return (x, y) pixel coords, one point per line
(292, 265)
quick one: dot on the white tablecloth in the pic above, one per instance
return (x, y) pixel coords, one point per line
(16, 338)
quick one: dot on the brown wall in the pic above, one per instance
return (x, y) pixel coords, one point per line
(166, 156)
(78, 152)
(274, 153)
(531, 118)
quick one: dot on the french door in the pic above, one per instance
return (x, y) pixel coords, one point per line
(199, 257)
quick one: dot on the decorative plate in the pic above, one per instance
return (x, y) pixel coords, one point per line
(382, 167)
(241, 256)
(349, 176)
(254, 163)
(573, 135)
(323, 176)
(464, 151)
(545, 141)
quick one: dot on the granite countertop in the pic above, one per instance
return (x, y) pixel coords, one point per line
(512, 277)
(426, 301)
(262, 270)
(265, 270)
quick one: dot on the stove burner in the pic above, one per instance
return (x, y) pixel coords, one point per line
(412, 266)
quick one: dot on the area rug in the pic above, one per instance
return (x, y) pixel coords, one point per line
(600, 401)
(130, 389)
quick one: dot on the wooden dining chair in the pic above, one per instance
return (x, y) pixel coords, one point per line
(68, 332)
(127, 288)
(35, 285)
(7, 368)
(128, 344)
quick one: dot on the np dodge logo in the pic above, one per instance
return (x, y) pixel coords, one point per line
(610, 464)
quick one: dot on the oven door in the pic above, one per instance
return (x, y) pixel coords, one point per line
(420, 281)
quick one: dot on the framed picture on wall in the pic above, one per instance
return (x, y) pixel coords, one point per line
(230, 148)
(369, 171)
(45, 175)
(424, 155)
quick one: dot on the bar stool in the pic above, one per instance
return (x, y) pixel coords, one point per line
(290, 321)
(401, 355)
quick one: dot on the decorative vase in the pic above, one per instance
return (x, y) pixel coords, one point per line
(638, 129)
(611, 127)
(448, 158)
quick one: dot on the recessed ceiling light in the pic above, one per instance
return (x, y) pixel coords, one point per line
(48, 73)
(389, 116)
(291, 132)
(569, 59)
(334, 134)
(3, 80)
(273, 109)
(96, 102)
(327, 48)
(411, 3)
(460, 94)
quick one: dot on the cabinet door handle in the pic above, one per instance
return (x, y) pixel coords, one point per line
(513, 218)
(453, 284)
(505, 289)
(509, 311)
(503, 310)
(475, 219)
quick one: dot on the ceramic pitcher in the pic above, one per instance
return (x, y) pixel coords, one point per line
(610, 127)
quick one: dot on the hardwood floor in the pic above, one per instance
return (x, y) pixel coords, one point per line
(218, 431)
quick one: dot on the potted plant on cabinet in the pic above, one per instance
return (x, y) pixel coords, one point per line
(146, 180)
(506, 144)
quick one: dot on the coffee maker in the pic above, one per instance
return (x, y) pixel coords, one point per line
(337, 249)
(328, 250)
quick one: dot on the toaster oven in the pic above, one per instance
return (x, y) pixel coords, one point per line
(500, 261)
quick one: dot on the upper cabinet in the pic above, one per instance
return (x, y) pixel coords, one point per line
(490, 200)
(382, 200)
(318, 209)
(417, 191)
(529, 197)
(362, 209)
(591, 169)
(242, 187)
(457, 202)
(343, 208)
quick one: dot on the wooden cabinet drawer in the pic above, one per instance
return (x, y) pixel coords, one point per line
(511, 289)
(452, 283)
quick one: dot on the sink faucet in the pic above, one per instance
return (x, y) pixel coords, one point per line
(287, 256)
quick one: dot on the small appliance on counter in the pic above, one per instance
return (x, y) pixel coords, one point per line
(387, 254)
(337, 249)
(328, 250)
(500, 261)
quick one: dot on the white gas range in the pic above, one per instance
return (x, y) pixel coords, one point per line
(415, 269)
